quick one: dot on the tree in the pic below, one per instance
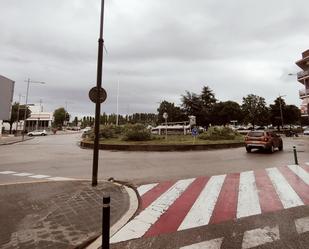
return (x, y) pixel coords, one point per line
(224, 112)
(275, 112)
(15, 115)
(199, 105)
(254, 110)
(60, 115)
(75, 121)
(292, 114)
(175, 114)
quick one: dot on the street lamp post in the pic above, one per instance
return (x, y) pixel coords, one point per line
(27, 94)
(280, 104)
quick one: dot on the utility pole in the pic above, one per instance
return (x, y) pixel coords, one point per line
(26, 105)
(98, 103)
(281, 114)
(117, 118)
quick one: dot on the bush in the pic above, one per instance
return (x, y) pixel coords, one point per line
(219, 133)
(136, 132)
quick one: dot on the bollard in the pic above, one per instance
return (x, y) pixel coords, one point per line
(295, 155)
(105, 222)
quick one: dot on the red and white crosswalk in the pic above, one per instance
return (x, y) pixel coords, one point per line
(177, 205)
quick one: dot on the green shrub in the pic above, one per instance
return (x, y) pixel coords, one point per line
(136, 132)
(219, 133)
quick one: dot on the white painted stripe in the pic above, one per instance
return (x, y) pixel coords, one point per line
(287, 195)
(302, 225)
(7, 172)
(248, 199)
(142, 222)
(145, 188)
(201, 211)
(58, 178)
(260, 236)
(300, 172)
(210, 244)
(39, 176)
(307, 163)
(23, 174)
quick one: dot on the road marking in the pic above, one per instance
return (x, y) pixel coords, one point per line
(302, 225)
(145, 188)
(260, 236)
(248, 199)
(7, 172)
(210, 244)
(226, 206)
(300, 172)
(178, 210)
(269, 199)
(299, 186)
(142, 222)
(59, 178)
(23, 174)
(39, 176)
(287, 195)
(201, 211)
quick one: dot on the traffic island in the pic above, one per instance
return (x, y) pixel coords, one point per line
(164, 147)
(57, 214)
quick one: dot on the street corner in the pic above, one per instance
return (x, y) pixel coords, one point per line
(59, 214)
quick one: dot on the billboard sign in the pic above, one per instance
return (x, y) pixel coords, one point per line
(6, 97)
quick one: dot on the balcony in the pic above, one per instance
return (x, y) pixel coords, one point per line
(302, 74)
(303, 93)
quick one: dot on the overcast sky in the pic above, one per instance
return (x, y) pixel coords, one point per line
(157, 49)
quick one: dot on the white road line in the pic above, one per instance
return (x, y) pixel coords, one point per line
(302, 225)
(7, 172)
(141, 223)
(23, 174)
(260, 236)
(201, 211)
(58, 178)
(145, 188)
(307, 163)
(39, 176)
(210, 244)
(248, 199)
(287, 195)
(300, 172)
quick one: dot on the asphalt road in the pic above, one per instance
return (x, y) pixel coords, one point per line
(60, 156)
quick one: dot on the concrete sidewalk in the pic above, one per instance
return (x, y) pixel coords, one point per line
(12, 140)
(56, 214)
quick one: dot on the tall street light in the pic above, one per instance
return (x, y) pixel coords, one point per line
(280, 104)
(27, 94)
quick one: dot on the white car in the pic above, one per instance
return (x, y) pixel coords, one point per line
(306, 132)
(37, 133)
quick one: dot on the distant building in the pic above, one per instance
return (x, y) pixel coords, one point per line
(303, 78)
(38, 120)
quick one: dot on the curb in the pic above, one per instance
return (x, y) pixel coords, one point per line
(134, 204)
(152, 147)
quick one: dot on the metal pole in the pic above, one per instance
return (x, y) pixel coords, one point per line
(166, 129)
(295, 155)
(98, 105)
(25, 114)
(117, 118)
(18, 110)
(106, 222)
(281, 112)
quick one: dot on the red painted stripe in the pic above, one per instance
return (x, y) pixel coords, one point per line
(305, 167)
(172, 218)
(269, 200)
(226, 206)
(155, 192)
(299, 186)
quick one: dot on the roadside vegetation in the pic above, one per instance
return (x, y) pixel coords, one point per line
(139, 134)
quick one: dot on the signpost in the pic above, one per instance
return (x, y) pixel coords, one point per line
(194, 133)
(98, 97)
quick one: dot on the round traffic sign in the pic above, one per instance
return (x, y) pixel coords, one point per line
(93, 93)
(194, 132)
(165, 115)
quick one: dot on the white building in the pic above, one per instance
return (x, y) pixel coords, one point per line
(38, 120)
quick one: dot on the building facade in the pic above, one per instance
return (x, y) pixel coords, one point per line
(303, 78)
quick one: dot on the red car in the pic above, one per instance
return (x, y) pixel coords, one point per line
(266, 140)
